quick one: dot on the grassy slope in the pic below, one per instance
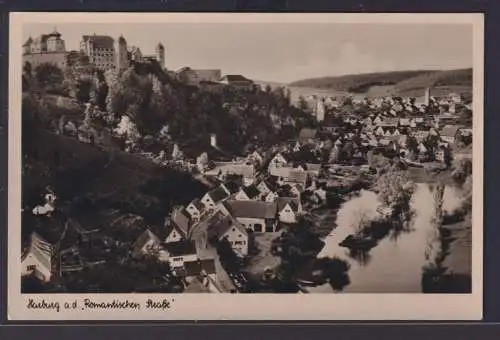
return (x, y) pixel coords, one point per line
(402, 81)
(78, 171)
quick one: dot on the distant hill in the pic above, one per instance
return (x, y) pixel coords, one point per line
(397, 82)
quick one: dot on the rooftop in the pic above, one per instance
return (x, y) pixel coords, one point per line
(252, 209)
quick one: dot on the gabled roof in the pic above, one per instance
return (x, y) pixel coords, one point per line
(220, 224)
(99, 41)
(297, 176)
(251, 191)
(195, 268)
(313, 167)
(180, 220)
(218, 194)
(181, 248)
(284, 201)
(232, 186)
(450, 130)
(252, 209)
(235, 77)
(41, 250)
(145, 237)
(197, 204)
(307, 133)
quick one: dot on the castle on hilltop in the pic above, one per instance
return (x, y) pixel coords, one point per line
(103, 51)
(46, 48)
(107, 53)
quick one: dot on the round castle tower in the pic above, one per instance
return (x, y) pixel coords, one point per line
(160, 54)
(121, 54)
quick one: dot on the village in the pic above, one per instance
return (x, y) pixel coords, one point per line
(212, 243)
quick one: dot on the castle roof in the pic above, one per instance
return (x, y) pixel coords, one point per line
(99, 41)
(28, 42)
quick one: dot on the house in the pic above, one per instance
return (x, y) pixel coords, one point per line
(178, 228)
(307, 135)
(224, 169)
(194, 209)
(232, 186)
(288, 209)
(312, 169)
(254, 215)
(271, 196)
(201, 273)
(377, 120)
(264, 187)
(277, 161)
(290, 176)
(247, 194)
(38, 258)
(449, 133)
(256, 158)
(214, 197)
(237, 81)
(231, 230)
(147, 244)
(288, 190)
(181, 252)
(379, 131)
(421, 135)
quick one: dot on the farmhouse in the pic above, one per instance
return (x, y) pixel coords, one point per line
(38, 258)
(254, 215)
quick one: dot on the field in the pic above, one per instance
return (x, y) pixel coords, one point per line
(403, 83)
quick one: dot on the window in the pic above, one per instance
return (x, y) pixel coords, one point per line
(238, 243)
(31, 267)
(177, 259)
(257, 227)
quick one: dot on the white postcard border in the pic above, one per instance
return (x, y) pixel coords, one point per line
(252, 306)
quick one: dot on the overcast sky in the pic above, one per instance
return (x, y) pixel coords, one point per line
(286, 52)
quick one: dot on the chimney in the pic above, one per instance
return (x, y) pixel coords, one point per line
(213, 140)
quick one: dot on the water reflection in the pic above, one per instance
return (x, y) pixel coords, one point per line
(395, 264)
(360, 255)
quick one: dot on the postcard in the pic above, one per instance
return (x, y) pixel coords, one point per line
(280, 166)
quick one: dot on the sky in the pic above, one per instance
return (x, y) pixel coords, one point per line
(285, 52)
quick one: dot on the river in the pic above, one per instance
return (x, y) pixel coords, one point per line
(394, 265)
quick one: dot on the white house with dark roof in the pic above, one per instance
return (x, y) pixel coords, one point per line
(181, 252)
(258, 216)
(271, 196)
(195, 209)
(38, 259)
(288, 209)
(233, 231)
(248, 194)
(212, 198)
(179, 225)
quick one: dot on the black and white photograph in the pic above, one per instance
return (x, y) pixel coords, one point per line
(291, 157)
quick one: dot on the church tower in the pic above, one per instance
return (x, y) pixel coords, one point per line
(160, 54)
(121, 54)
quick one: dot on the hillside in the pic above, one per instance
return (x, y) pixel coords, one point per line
(397, 82)
(90, 181)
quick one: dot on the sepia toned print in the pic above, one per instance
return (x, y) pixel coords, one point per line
(316, 158)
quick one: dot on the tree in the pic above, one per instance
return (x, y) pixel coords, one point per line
(395, 190)
(49, 77)
(336, 271)
(412, 144)
(303, 104)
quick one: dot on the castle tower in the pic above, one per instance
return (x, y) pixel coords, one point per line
(27, 46)
(427, 96)
(55, 43)
(160, 54)
(320, 110)
(121, 54)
